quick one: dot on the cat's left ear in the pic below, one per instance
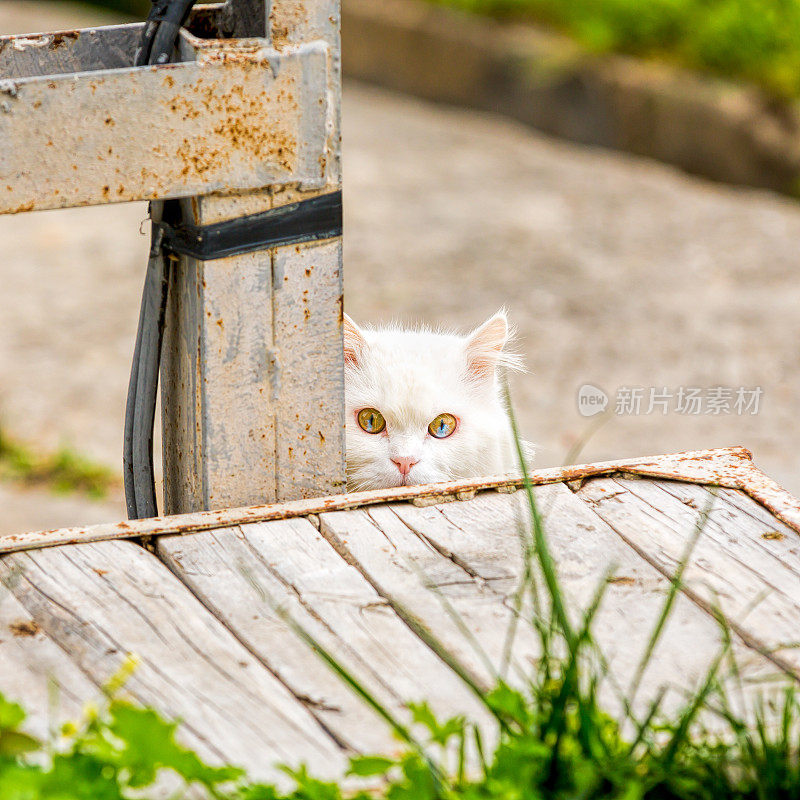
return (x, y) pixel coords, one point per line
(486, 348)
(354, 341)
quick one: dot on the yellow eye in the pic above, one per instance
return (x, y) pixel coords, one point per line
(371, 420)
(443, 426)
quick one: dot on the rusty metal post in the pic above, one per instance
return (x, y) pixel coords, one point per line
(252, 374)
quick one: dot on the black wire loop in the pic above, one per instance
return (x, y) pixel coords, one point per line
(157, 45)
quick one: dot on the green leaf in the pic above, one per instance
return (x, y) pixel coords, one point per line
(15, 743)
(364, 766)
(11, 714)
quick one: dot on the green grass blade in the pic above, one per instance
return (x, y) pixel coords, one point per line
(542, 550)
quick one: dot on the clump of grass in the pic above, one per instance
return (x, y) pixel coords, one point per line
(63, 471)
(754, 40)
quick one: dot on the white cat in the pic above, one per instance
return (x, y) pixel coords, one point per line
(424, 407)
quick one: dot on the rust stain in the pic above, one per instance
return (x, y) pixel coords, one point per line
(245, 125)
(62, 37)
(24, 627)
(622, 580)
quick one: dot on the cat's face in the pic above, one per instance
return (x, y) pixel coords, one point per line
(424, 407)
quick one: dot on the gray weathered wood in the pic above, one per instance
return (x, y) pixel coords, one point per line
(413, 577)
(586, 550)
(308, 378)
(739, 564)
(218, 407)
(309, 441)
(101, 602)
(470, 549)
(288, 563)
(36, 672)
(371, 586)
(253, 366)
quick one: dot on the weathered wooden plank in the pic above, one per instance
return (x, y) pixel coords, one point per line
(738, 564)
(585, 549)
(261, 392)
(413, 577)
(235, 119)
(308, 359)
(36, 672)
(62, 52)
(699, 467)
(232, 570)
(479, 538)
(100, 602)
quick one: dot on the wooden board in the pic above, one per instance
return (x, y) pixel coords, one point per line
(399, 594)
(470, 553)
(745, 561)
(244, 574)
(35, 671)
(101, 602)
(309, 404)
(218, 124)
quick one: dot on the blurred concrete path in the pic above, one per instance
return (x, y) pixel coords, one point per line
(618, 272)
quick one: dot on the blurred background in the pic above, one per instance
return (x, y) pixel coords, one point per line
(621, 274)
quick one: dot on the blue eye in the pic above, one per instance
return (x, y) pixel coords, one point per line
(443, 426)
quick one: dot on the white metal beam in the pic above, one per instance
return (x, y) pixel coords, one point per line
(240, 117)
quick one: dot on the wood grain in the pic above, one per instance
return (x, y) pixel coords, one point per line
(470, 552)
(36, 672)
(308, 370)
(101, 602)
(745, 562)
(244, 574)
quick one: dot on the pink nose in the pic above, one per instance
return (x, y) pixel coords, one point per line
(404, 463)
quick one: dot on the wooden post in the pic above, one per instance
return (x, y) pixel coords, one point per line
(252, 372)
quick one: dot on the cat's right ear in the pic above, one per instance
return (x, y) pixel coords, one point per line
(354, 342)
(486, 348)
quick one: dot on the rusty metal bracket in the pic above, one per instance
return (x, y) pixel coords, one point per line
(730, 468)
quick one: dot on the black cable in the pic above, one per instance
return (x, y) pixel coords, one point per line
(158, 41)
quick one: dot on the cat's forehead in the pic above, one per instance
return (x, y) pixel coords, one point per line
(411, 369)
(424, 347)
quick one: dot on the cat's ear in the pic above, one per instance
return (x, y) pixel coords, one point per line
(354, 341)
(486, 348)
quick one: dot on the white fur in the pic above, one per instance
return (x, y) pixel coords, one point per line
(412, 376)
